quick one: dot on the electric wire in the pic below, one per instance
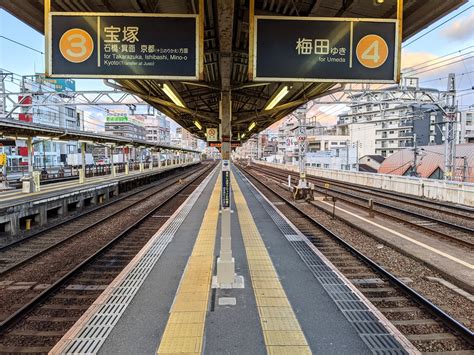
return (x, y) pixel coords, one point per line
(438, 26)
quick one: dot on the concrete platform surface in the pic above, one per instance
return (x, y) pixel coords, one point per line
(14, 197)
(283, 308)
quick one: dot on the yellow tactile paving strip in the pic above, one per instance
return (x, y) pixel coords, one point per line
(281, 331)
(184, 331)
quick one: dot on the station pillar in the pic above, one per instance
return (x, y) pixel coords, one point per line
(28, 183)
(225, 262)
(140, 165)
(159, 159)
(127, 161)
(112, 165)
(82, 172)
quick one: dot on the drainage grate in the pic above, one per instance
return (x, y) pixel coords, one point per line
(371, 331)
(95, 332)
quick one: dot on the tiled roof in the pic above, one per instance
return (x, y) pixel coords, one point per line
(429, 159)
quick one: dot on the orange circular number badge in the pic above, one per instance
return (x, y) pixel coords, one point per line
(372, 51)
(76, 45)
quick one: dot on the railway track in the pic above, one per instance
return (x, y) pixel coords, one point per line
(19, 252)
(456, 233)
(460, 212)
(428, 327)
(40, 318)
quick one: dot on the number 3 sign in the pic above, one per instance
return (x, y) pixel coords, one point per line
(372, 51)
(76, 45)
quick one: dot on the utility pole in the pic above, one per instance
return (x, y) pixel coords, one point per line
(414, 171)
(465, 170)
(301, 115)
(450, 129)
(348, 143)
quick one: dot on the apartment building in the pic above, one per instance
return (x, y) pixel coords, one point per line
(391, 125)
(158, 128)
(123, 125)
(47, 154)
(467, 126)
(185, 139)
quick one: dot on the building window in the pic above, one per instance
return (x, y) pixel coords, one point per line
(70, 112)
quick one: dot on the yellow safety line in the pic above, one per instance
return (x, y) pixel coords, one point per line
(423, 245)
(281, 330)
(184, 331)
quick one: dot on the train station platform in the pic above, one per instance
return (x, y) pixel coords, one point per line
(294, 301)
(61, 198)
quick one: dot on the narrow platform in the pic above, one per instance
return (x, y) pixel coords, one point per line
(293, 302)
(14, 197)
(60, 199)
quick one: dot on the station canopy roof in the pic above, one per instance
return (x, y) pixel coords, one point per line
(226, 51)
(22, 130)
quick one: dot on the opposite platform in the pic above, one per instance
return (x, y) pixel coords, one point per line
(293, 301)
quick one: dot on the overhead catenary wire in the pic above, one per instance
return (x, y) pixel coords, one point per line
(438, 26)
(21, 44)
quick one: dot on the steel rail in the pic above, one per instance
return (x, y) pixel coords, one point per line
(89, 211)
(167, 184)
(462, 228)
(449, 321)
(18, 314)
(400, 197)
(440, 234)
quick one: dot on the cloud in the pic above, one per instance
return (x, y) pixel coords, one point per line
(411, 59)
(460, 30)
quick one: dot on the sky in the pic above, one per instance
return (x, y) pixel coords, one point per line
(432, 54)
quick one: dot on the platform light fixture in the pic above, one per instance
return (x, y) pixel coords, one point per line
(242, 136)
(378, 2)
(278, 97)
(197, 124)
(252, 126)
(16, 138)
(170, 93)
(85, 141)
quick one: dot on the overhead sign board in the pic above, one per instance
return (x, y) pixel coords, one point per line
(212, 134)
(60, 85)
(233, 144)
(325, 49)
(119, 45)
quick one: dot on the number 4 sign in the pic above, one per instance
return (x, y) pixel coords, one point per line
(372, 51)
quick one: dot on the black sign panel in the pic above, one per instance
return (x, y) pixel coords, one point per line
(225, 189)
(325, 49)
(124, 46)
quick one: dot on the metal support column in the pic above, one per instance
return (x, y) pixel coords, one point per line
(127, 160)
(302, 139)
(140, 165)
(113, 171)
(225, 262)
(82, 172)
(159, 159)
(450, 130)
